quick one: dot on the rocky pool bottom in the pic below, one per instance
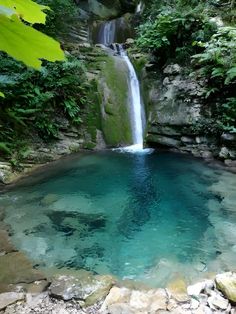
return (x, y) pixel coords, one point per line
(170, 214)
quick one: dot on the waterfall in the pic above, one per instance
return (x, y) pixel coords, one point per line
(139, 7)
(107, 33)
(135, 102)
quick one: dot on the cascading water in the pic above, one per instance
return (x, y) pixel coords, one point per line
(106, 37)
(135, 102)
(107, 32)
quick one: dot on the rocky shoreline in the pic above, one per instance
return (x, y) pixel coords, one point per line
(10, 175)
(67, 295)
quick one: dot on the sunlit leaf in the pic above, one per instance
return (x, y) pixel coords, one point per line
(26, 44)
(28, 10)
(2, 95)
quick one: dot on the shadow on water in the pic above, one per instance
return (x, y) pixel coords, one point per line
(142, 195)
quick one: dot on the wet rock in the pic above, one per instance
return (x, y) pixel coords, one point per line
(6, 227)
(228, 137)
(5, 244)
(16, 268)
(207, 155)
(164, 140)
(230, 163)
(85, 286)
(49, 199)
(226, 153)
(178, 289)
(8, 298)
(226, 283)
(2, 214)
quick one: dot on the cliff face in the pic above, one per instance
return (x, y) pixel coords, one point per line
(176, 113)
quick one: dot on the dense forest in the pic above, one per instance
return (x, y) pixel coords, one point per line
(199, 35)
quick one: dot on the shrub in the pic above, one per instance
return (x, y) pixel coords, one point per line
(217, 66)
(36, 99)
(173, 31)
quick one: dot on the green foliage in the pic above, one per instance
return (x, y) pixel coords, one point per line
(60, 17)
(217, 66)
(35, 100)
(172, 31)
(22, 41)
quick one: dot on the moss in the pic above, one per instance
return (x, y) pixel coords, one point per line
(114, 92)
(89, 145)
(92, 113)
(139, 61)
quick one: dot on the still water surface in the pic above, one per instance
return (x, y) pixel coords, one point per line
(145, 217)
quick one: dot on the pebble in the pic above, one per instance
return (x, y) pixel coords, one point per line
(205, 298)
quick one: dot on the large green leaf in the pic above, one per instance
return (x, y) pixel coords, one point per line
(28, 10)
(2, 95)
(26, 44)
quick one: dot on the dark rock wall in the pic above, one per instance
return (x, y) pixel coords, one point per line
(175, 108)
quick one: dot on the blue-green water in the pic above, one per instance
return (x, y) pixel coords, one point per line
(138, 216)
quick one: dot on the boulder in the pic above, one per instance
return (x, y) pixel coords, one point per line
(196, 289)
(172, 69)
(217, 302)
(83, 286)
(123, 300)
(9, 298)
(226, 283)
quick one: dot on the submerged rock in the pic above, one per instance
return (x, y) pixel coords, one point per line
(2, 214)
(16, 268)
(49, 199)
(226, 283)
(5, 245)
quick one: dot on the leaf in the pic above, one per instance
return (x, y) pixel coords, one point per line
(210, 91)
(231, 75)
(2, 95)
(28, 10)
(26, 44)
(4, 148)
(217, 72)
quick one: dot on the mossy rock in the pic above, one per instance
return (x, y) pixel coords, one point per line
(105, 9)
(114, 94)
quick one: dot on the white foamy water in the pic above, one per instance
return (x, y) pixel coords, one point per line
(136, 148)
(135, 104)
